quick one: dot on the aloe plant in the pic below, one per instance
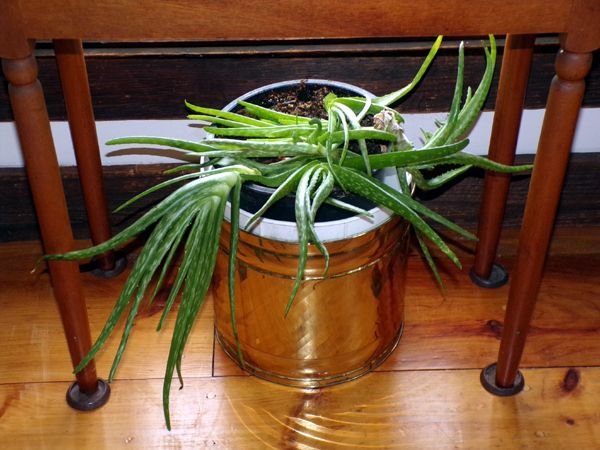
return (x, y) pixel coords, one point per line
(312, 157)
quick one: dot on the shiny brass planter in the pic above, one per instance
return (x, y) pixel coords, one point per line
(340, 326)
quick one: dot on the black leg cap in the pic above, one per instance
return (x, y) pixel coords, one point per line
(88, 402)
(488, 381)
(120, 265)
(498, 277)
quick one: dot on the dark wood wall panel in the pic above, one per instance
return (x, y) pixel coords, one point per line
(149, 83)
(127, 85)
(460, 202)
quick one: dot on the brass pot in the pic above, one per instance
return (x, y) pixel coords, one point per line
(340, 326)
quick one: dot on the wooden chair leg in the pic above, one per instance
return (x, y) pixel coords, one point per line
(31, 117)
(564, 102)
(516, 64)
(76, 91)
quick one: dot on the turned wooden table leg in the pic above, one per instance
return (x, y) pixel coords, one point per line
(31, 117)
(564, 102)
(516, 64)
(76, 91)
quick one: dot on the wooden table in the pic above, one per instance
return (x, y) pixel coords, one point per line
(68, 22)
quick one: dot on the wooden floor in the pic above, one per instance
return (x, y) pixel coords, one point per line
(426, 396)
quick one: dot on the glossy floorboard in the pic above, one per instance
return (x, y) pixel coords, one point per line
(426, 396)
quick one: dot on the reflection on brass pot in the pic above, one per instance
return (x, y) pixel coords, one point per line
(340, 326)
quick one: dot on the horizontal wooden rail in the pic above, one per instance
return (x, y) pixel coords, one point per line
(120, 20)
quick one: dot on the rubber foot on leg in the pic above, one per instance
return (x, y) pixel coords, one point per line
(120, 264)
(88, 402)
(498, 277)
(488, 381)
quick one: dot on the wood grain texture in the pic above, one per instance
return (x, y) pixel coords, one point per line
(43, 172)
(584, 17)
(13, 43)
(130, 85)
(37, 335)
(74, 80)
(184, 19)
(547, 178)
(221, 20)
(460, 202)
(518, 55)
(463, 329)
(427, 395)
(401, 410)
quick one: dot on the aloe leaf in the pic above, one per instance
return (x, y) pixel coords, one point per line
(314, 181)
(348, 207)
(363, 133)
(439, 180)
(332, 126)
(272, 181)
(148, 257)
(352, 119)
(321, 193)
(471, 109)
(284, 189)
(178, 369)
(263, 132)
(314, 238)
(274, 169)
(319, 185)
(393, 97)
(363, 112)
(202, 265)
(158, 245)
(430, 262)
(407, 158)
(421, 209)
(254, 149)
(187, 167)
(357, 104)
(463, 158)
(189, 249)
(184, 312)
(274, 174)
(164, 208)
(442, 134)
(234, 117)
(174, 246)
(302, 209)
(131, 285)
(157, 187)
(345, 136)
(375, 191)
(469, 95)
(166, 266)
(233, 246)
(334, 117)
(317, 131)
(206, 230)
(272, 115)
(426, 134)
(197, 147)
(219, 121)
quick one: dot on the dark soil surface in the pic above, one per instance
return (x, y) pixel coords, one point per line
(303, 100)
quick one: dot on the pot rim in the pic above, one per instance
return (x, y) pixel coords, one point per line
(281, 84)
(334, 230)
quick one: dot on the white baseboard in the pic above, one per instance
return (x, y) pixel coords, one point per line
(586, 138)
